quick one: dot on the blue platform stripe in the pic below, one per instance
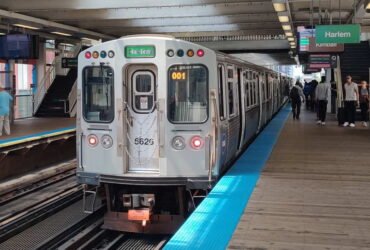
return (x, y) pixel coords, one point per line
(212, 224)
(37, 136)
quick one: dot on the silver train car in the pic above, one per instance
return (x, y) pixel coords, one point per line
(160, 120)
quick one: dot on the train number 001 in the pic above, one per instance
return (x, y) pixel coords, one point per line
(143, 141)
(178, 75)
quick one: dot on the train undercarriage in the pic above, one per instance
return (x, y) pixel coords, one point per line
(146, 209)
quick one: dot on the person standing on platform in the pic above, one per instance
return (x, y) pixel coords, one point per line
(350, 101)
(296, 96)
(322, 96)
(5, 100)
(364, 103)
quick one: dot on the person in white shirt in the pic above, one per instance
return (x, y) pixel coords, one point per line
(350, 101)
(322, 93)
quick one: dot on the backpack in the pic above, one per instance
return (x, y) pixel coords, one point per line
(294, 94)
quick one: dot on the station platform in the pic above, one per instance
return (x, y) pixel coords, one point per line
(35, 128)
(297, 186)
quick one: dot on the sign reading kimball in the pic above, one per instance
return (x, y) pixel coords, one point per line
(140, 51)
(324, 47)
(349, 33)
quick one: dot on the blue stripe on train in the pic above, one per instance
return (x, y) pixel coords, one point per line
(212, 224)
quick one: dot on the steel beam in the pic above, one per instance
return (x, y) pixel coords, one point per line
(50, 24)
(40, 5)
(157, 12)
(179, 21)
(247, 45)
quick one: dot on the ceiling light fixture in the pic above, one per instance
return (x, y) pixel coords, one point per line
(291, 39)
(283, 18)
(367, 6)
(287, 27)
(279, 5)
(26, 26)
(1, 33)
(61, 33)
(288, 34)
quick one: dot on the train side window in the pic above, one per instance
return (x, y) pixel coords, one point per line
(253, 101)
(221, 94)
(98, 94)
(247, 94)
(230, 89)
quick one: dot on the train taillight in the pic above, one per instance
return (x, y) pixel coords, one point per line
(92, 140)
(196, 142)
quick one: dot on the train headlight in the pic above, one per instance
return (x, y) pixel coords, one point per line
(178, 143)
(106, 141)
(196, 142)
(92, 140)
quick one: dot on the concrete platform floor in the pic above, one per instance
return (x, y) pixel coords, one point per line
(314, 192)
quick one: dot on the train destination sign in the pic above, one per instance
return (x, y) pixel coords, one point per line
(349, 33)
(140, 51)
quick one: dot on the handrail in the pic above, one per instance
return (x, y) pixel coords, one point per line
(72, 98)
(48, 79)
(43, 86)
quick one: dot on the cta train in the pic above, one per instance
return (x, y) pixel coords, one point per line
(160, 120)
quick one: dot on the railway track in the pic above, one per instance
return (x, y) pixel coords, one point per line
(46, 213)
(96, 238)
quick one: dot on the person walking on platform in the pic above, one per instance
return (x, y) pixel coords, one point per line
(364, 103)
(296, 96)
(322, 96)
(350, 101)
(5, 100)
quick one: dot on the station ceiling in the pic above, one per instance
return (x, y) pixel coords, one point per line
(221, 24)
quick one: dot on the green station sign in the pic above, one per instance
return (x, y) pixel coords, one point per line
(140, 51)
(69, 62)
(349, 33)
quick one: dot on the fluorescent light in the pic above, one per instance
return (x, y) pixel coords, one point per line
(66, 44)
(292, 43)
(279, 7)
(1, 34)
(283, 19)
(291, 39)
(86, 38)
(26, 26)
(61, 33)
(293, 46)
(287, 27)
(288, 34)
(368, 6)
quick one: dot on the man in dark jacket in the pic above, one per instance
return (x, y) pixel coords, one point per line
(296, 97)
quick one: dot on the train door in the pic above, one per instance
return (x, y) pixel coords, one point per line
(222, 113)
(141, 119)
(241, 107)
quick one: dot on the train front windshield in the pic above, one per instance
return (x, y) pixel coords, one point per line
(98, 95)
(188, 94)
